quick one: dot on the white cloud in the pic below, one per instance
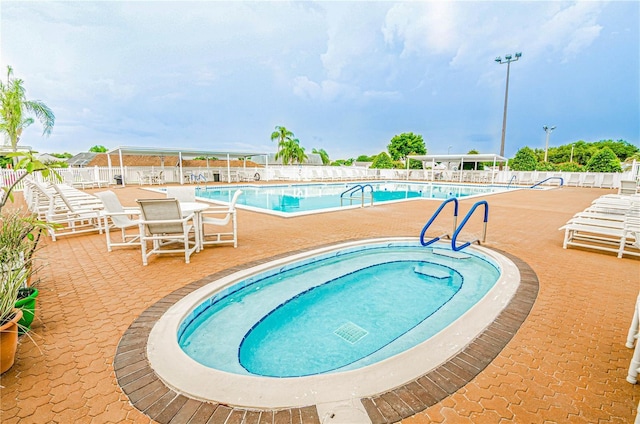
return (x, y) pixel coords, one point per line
(422, 28)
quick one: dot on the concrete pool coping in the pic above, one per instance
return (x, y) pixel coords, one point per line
(148, 393)
(342, 183)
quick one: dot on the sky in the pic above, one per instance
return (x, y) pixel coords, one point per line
(342, 76)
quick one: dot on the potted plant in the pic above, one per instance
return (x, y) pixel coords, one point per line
(19, 235)
(12, 279)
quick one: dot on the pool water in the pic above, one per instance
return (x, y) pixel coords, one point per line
(335, 312)
(301, 198)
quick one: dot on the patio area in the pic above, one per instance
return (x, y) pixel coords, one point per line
(567, 362)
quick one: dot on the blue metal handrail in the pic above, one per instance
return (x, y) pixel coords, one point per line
(513, 177)
(547, 179)
(355, 189)
(464, 221)
(433, 217)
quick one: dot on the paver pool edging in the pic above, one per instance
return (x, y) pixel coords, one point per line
(148, 394)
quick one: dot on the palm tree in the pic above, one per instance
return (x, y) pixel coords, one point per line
(282, 136)
(323, 155)
(291, 152)
(14, 108)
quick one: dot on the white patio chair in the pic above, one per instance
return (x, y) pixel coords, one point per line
(162, 223)
(120, 217)
(222, 216)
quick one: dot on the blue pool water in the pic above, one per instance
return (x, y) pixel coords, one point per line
(299, 198)
(337, 311)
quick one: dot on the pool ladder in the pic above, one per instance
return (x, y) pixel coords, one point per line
(355, 189)
(547, 179)
(457, 228)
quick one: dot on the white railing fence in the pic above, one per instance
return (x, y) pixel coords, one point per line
(144, 175)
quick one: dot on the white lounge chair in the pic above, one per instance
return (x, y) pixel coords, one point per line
(72, 216)
(589, 180)
(162, 224)
(628, 187)
(607, 181)
(115, 215)
(220, 217)
(573, 180)
(611, 235)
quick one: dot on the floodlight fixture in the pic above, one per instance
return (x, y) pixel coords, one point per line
(548, 130)
(507, 59)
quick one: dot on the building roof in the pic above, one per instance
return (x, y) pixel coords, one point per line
(81, 159)
(184, 153)
(483, 157)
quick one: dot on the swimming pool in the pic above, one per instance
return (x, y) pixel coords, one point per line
(289, 200)
(386, 367)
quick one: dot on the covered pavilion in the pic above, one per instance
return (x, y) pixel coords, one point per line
(458, 159)
(182, 154)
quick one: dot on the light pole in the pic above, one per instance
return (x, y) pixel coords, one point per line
(507, 59)
(449, 149)
(548, 130)
(571, 157)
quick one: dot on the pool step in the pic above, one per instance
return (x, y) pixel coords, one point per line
(451, 254)
(430, 271)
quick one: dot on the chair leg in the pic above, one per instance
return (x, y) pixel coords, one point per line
(108, 236)
(235, 231)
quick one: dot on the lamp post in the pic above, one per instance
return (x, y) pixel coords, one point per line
(571, 157)
(507, 59)
(449, 149)
(548, 130)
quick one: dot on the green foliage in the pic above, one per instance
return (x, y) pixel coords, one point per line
(342, 162)
(15, 109)
(64, 155)
(98, 149)
(604, 160)
(324, 156)
(205, 158)
(570, 167)
(622, 149)
(5, 161)
(546, 166)
(28, 162)
(382, 161)
(471, 165)
(291, 152)
(525, 160)
(583, 151)
(406, 144)
(365, 158)
(414, 164)
(282, 135)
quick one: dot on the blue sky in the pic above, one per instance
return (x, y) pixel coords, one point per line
(343, 76)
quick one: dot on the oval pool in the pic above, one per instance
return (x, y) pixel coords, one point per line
(336, 323)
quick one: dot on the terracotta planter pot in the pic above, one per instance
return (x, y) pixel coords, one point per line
(9, 342)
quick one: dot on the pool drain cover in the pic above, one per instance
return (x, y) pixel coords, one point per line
(350, 332)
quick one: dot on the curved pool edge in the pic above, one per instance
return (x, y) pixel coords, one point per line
(430, 385)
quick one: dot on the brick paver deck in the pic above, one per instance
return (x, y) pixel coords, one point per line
(566, 363)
